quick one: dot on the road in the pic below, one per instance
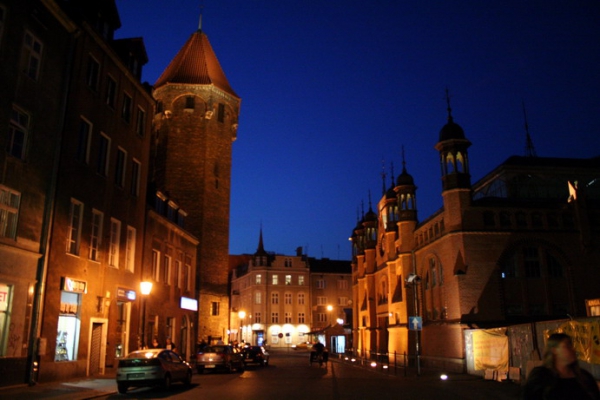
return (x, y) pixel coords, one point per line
(289, 377)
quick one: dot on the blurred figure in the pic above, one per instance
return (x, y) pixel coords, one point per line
(155, 344)
(560, 377)
(170, 345)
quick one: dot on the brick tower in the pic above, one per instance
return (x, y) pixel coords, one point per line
(195, 126)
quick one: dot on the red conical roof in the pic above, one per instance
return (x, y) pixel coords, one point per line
(196, 64)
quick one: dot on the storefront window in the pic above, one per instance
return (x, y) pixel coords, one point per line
(123, 310)
(5, 306)
(67, 337)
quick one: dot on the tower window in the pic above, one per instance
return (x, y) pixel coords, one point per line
(221, 116)
(190, 102)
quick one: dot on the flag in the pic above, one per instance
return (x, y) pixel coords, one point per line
(572, 191)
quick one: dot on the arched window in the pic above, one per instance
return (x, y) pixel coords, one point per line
(534, 281)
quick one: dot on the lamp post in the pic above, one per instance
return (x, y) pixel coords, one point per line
(241, 316)
(145, 289)
(413, 280)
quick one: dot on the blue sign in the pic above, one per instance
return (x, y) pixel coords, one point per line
(415, 323)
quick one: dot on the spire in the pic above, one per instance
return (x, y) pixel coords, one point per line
(383, 190)
(392, 173)
(200, 19)
(448, 104)
(529, 149)
(261, 248)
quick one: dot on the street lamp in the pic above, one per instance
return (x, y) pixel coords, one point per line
(241, 316)
(329, 309)
(413, 280)
(145, 289)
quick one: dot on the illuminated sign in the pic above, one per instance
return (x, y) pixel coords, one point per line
(126, 294)
(73, 285)
(188, 304)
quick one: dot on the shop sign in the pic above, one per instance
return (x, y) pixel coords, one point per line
(73, 285)
(126, 294)
(187, 303)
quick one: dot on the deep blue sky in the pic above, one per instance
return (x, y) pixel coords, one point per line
(331, 90)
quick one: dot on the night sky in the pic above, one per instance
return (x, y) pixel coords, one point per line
(332, 90)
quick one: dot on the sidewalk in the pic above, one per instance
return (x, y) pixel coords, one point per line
(79, 389)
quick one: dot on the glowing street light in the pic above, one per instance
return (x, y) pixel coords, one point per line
(145, 289)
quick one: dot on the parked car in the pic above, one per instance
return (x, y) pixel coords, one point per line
(301, 346)
(220, 357)
(255, 355)
(152, 367)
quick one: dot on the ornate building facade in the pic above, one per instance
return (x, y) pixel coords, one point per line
(509, 249)
(284, 300)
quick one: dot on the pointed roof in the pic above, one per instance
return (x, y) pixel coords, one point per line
(260, 251)
(196, 64)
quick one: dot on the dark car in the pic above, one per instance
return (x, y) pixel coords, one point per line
(255, 355)
(152, 367)
(219, 357)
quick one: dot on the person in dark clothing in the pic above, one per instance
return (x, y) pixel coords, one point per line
(170, 345)
(560, 377)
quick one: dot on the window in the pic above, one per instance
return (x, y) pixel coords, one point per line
(214, 308)
(18, 132)
(5, 311)
(115, 239)
(140, 122)
(342, 301)
(287, 318)
(258, 279)
(257, 318)
(275, 279)
(532, 262)
(96, 238)
(136, 168)
(301, 318)
(321, 317)
(83, 144)
(166, 270)
(301, 280)
(74, 233)
(32, 55)
(274, 298)
(93, 73)
(301, 298)
(130, 249)
(320, 283)
(190, 102)
(221, 115)
(342, 284)
(187, 273)
(274, 318)
(111, 92)
(258, 298)
(103, 154)
(2, 22)
(155, 264)
(120, 167)
(9, 212)
(321, 300)
(178, 274)
(126, 109)
(288, 279)
(287, 298)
